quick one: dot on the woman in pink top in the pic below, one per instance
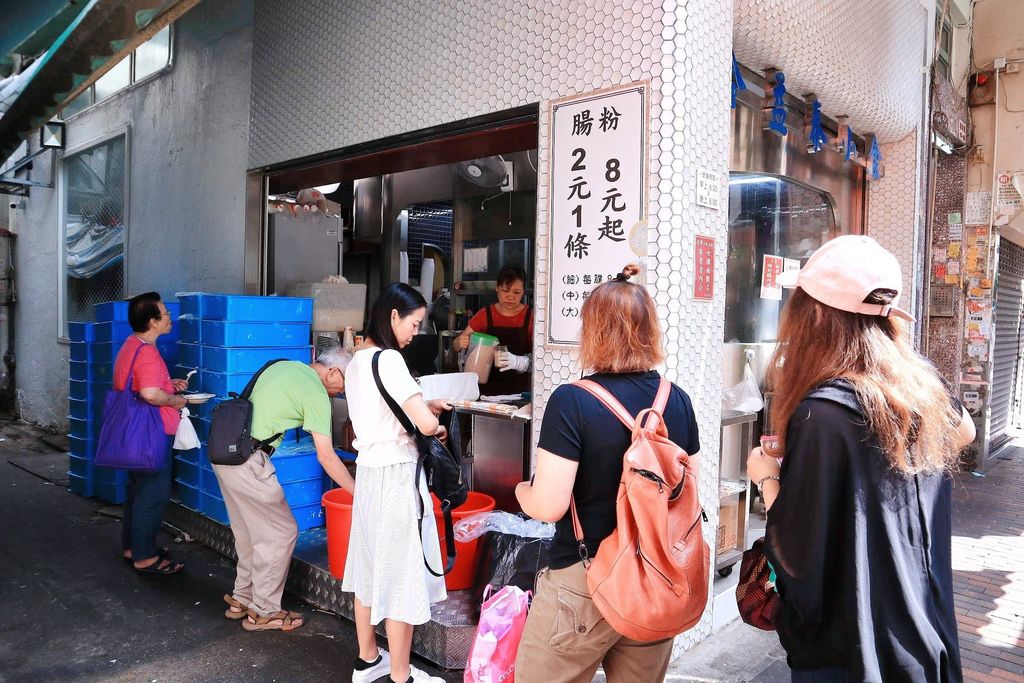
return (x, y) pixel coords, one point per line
(148, 492)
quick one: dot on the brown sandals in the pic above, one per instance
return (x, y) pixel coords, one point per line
(282, 621)
(236, 610)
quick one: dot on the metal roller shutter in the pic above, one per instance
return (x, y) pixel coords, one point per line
(1007, 353)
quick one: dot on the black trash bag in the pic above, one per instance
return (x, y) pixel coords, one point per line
(509, 560)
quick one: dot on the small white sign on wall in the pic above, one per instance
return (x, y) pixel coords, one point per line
(709, 190)
(599, 178)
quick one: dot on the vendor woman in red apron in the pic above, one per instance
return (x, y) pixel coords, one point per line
(511, 321)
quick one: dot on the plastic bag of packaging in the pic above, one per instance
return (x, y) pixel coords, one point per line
(745, 396)
(492, 657)
(510, 560)
(479, 524)
(185, 439)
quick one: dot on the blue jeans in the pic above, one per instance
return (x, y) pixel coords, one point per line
(833, 675)
(148, 494)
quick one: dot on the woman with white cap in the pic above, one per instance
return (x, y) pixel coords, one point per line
(859, 530)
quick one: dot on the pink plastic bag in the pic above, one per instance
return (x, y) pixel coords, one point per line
(502, 619)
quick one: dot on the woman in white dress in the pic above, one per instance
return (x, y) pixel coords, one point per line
(387, 550)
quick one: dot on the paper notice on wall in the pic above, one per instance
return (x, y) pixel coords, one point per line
(771, 269)
(953, 267)
(953, 250)
(977, 208)
(474, 259)
(1008, 200)
(973, 402)
(978, 350)
(956, 231)
(789, 264)
(953, 218)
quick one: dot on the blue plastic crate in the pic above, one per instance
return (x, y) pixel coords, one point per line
(111, 485)
(244, 333)
(305, 492)
(205, 410)
(213, 507)
(221, 384)
(202, 427)
(189, 495)
(191, 456)
(192, 304)
(91, 372)
(309, 516)
(168, 351)
(174, 308)
(78, 390)
(251, 359)
(83, 486)
(111, 310)
(82, 351)
(257, 308)
(105, 352)
(187, 472)
(80, 466)
(81, 332)
(296, 467)
(82, 446)
(83, 428)
(190, 355)
(190, 330)
(113, 331)
(81, 409)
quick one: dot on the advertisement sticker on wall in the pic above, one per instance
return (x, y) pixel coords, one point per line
(771, 268)
(704, 268)
(599, 178)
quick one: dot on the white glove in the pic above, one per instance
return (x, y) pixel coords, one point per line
(506, 361)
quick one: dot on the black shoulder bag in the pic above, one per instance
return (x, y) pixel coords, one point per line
(442, 467)
(230, 441)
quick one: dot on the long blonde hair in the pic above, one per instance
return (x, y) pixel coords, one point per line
(906, 404)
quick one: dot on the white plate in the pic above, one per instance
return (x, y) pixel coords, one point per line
(198, 398)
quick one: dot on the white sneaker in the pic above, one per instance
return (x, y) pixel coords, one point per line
(421, 676)
(378, 670)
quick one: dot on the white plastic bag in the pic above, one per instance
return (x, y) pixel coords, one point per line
(745, 396)
(479, 524)
(185, 439)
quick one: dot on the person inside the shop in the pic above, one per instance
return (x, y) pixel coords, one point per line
(511, 321)
(287, 395)
(579, 456)
(868, 435)
(149, 492)
(388, 545)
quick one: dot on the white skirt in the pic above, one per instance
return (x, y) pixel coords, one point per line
(384, 567)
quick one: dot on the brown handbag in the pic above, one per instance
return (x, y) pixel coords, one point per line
(650, 577)
(756, 597)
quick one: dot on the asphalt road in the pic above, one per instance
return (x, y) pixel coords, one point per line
(71, 610)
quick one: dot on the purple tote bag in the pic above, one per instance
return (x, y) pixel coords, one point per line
(132, 436)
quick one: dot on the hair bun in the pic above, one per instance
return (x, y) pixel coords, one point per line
(630, 270)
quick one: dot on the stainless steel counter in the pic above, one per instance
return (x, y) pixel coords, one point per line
(500, 452)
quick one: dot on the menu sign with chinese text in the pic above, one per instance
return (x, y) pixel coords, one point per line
(598, 188)
(772, 267)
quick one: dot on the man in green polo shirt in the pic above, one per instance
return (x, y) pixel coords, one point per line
(287, 395)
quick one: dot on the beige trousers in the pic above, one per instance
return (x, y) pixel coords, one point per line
(264, 529)
(566, 638)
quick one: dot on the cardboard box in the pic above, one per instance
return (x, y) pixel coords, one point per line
(728, 526)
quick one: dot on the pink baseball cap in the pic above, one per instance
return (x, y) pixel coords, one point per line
(844, 271)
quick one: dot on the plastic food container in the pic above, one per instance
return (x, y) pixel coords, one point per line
(480, 355)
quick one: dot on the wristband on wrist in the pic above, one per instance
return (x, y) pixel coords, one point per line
(760, 482)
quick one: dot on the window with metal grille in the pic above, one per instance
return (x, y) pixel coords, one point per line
(94, 229)
(945, 52)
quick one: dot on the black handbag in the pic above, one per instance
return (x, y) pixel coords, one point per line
(441, 466)
(230, 441)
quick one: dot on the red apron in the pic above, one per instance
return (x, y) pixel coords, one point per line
(519, 342)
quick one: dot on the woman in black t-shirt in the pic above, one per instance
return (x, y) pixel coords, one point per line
(580, 455)
(859, 528)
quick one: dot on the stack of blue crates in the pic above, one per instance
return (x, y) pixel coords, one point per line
(227, 338)
(94, 348)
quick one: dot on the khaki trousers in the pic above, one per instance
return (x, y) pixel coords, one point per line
(264, 529)
(566, 638)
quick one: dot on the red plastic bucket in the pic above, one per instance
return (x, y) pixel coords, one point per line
(338, 505)
(462, 575)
